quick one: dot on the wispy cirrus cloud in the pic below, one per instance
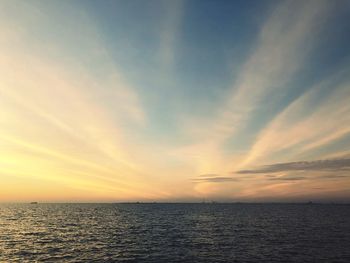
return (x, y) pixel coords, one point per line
(282, 47)
(300, 127)
(170, 31)
(274, 61)
(71, 114)
(62, 121)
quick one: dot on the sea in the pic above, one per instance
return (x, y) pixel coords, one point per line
(174, 232)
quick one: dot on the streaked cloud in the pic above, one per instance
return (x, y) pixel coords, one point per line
(274, 61)
(94, 100)
(301, 127)
(282, 46)
(334, 165)
(170, 31)
(68, 124)
(214, 178)
(287, 178)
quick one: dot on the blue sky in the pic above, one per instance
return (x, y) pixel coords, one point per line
(172, 100)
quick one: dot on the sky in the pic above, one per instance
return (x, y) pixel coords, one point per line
(174, 101)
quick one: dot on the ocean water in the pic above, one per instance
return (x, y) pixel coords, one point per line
(174, 233)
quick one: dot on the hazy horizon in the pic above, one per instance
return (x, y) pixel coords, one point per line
(126, 101)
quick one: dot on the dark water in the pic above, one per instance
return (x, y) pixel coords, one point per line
(174, 233)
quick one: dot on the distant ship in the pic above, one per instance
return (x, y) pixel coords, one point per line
(33, 203)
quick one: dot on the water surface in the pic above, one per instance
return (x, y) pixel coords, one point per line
(174, 233)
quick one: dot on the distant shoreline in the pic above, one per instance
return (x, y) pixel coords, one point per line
(189, 203)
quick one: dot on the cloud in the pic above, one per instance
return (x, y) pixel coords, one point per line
(282, 47)
(169, 33)
(333, 176)
(214, 178)
(208, 175)
(290, 171)
(318, 165)
(310, 176)
(67, 114)
(287, 178)
(301, 128)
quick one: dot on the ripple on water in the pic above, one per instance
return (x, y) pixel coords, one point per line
(174, 233)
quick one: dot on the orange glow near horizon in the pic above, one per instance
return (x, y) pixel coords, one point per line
(77, 125)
